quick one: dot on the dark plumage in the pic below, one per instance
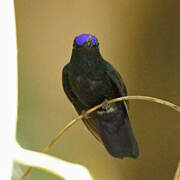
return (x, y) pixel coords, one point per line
(89, 80)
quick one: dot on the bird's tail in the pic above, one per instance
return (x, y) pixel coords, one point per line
(116, 133)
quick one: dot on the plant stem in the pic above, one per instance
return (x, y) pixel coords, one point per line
(145, 98)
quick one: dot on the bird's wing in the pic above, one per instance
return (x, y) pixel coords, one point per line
(121, 143)
(116, 78)
(90, 123)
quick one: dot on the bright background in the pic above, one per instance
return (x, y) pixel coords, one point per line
(142, 40)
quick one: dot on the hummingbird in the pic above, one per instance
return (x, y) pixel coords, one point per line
(89, 80)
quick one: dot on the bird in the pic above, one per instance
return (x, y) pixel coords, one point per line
(89, 80)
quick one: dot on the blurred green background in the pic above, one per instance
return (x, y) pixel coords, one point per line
(142, 40)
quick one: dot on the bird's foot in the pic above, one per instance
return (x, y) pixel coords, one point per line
(84, 114)
(105, 105)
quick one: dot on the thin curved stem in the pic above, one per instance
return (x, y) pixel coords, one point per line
(46, 149)
(145, 98)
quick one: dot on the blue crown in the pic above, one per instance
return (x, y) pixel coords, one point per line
(83, 38)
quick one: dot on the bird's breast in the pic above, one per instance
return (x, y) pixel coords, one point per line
(88, 85)
(89, 90)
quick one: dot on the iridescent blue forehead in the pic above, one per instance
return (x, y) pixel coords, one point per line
(81, 39)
